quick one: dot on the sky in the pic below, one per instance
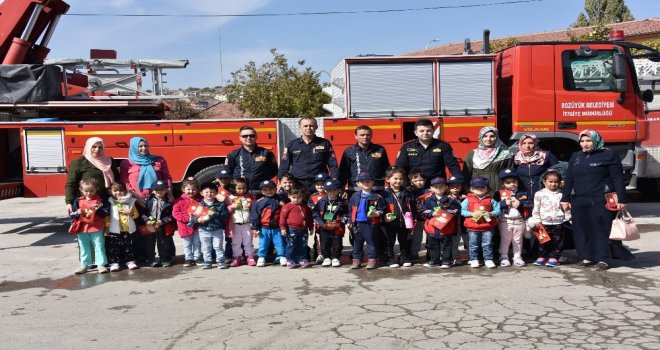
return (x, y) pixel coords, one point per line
(217, 46)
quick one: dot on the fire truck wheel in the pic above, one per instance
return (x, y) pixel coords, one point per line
(207, 174)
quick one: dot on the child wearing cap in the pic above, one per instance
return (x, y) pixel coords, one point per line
(188, 231)
(330, 215)
(264, 218)
(455, 188)
(211, 226)
(319, 182)
(159, 220)
(366, 209)
(480, 211)
(514, 206)
(399, 219)
(238, 227)
(224, 183)
(420, 192)
(435, 209)
(295, 224)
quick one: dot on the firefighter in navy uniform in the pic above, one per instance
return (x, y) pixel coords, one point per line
(364, 156)
(427, 154)
(254, 163)
(308, 155)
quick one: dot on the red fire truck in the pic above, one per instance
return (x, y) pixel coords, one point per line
(551, 89)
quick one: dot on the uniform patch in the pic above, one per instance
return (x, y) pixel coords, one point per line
(412, 149)
(319, 147)
(436, 150)
(296, 151)
(376, 155)
(260, 159)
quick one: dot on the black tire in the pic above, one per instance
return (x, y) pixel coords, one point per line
(207, 174)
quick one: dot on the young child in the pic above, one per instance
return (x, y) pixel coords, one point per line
(480, 211)
(319, 182)
(211, 226)
(547, 211)
(159, 217)
(264, 217)
(238, 227)
(188, 230)
(440, 239)
(120, 227)
(419, 192)
(330, 215)
(401, 210)
(514, 208)
(366, 209)
(455, 184)
(287, 182)
(224, 183)
(295, 224)
(87, 223)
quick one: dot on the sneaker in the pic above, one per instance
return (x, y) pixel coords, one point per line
(199, 261)
(490, 264)
(156, 264)
(336, 263)
(102, 269)
(393, 265)
(505, 262)
(80, 270)
(320, 259)
(131, 265)
(430, 264)
(291, 265)
(114, 267)
(518, 261)
(445, 266)
(584, 263)
(222, 266)
(372, 264)
(539, 262)
(552, 263)
(188, 263)
(326, 262)
(602, 266)
(251, 261)
(261, 262)
(167, 264)
(206, 266)
(304, 264)
(457, 262)
(283, 261)
(474, 263)
(356, 264)
(407, 264)
(235, 262)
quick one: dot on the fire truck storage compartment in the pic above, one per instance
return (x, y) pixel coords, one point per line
(381, 90)
(466, 88)
(44, 151)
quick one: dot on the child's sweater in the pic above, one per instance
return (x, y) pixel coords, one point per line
(94, 208)
(487, 204)
(327, 210)
(160, 210)
(180, 213)
(297, 216)
(118, 222)
(445, 203)
(265, 212)
(521, 212)
(217, 218)
(373, 200)
(547, 208)
(399, 203)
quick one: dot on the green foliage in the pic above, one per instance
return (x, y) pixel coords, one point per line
(654, 44)
(499, 45)
(277, 90)
(600, 12)
(598, 33)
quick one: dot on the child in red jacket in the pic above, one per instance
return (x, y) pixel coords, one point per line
(87, 214)
(191, 243)
(295, 224)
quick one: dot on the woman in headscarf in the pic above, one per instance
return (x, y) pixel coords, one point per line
(593, 172)
(92, 164)
(491, 156)
(141, 170)
(531, 162)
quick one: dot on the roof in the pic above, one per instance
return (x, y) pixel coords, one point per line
(224, 110)
(634, 31)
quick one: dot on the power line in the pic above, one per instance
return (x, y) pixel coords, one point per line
(306, 13)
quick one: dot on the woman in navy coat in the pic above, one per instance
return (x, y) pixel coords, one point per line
(531, 162)
(593, 172)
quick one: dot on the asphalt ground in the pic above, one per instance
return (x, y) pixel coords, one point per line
(42, 305)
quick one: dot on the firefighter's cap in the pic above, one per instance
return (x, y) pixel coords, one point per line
(321, 177)
(266, 183)
(438, 180)
(479, 182)
(364, 176)
(331, 184)
(455, 180)
(503, 174)
(159, 185)
(222, 172)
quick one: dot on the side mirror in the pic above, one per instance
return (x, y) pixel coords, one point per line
(621, 85)
(647, 95)
(620, 66)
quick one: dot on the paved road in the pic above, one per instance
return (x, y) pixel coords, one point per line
(43, 306)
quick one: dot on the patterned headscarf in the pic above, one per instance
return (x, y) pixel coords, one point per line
(596, 139)
(484, 155)
(537, 157)
(147, 173)
(102, 162)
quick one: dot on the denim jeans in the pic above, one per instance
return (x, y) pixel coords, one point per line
(191, 247)
(92, 241)
(296, 242)
(365, 232)
(212, 240)
(483, 239)
(271, 235)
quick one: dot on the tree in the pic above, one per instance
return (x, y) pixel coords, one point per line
(276, 89)
(600, 12)
(502, 44)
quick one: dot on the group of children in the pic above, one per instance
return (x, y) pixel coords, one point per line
(218, 222)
